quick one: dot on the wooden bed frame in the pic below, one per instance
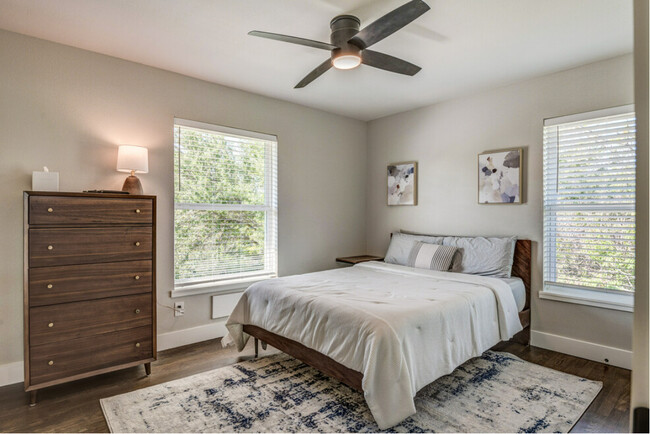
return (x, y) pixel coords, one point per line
(520, 268)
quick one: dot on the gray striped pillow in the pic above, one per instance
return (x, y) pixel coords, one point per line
(431, 256)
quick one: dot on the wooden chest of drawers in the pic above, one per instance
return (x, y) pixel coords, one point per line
(90, 286)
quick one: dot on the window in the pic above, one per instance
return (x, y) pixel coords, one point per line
(225, 205)
(589, 189)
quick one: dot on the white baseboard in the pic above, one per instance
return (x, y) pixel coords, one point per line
(586, 350)
(192, 335)
(11, 373)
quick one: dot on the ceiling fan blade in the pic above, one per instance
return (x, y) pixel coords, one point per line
(388, 63)
(389, 23)
(320, 70)
(293, 40)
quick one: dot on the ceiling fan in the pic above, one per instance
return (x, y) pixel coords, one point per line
(349, 46)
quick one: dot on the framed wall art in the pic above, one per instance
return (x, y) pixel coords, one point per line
(500, 176)
(403, 183)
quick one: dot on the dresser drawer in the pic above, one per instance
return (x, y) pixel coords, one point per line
(63, 322)
(48, 247)
(65, 359)
(56, 285)
(52, 210)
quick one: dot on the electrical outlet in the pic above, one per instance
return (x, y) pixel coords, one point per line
(179, 308)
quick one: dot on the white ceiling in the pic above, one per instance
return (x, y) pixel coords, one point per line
(463, 46)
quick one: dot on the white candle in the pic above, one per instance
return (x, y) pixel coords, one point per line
(45, 180)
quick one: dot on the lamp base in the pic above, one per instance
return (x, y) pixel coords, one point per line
(132, 185)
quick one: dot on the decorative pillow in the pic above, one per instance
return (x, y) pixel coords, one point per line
(485, 256)
(431, 256)
(399, 249)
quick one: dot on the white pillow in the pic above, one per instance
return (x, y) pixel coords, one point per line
(431, 256)
(399, 249)
(485, 256)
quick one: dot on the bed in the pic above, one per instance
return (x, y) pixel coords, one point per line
(383, 329)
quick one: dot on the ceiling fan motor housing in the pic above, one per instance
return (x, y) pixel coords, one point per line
(343, 28)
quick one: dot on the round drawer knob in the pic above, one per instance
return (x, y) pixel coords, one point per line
(51, 362)
(49, 286)
(137, 277)
(137, 243)
(137, 211)
(50, 325)
(137, 344)
(137, 311)
(50, 247)
(50, 210)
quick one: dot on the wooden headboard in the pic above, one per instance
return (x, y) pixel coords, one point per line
(521, 266)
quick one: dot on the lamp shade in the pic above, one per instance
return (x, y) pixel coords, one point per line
(132, 158)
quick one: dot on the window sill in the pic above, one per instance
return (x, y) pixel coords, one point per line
(605, 300)
(223, 287)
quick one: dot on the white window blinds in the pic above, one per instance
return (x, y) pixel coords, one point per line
(589, 188)
(225, 203)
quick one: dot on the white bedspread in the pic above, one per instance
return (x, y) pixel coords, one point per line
(401, 327)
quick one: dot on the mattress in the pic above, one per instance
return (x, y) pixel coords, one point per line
(518, 290)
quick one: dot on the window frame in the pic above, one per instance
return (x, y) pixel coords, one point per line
(591, 296)
(237, 281)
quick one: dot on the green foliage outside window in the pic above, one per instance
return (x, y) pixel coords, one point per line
(213, 174)
(601, 255)
(589, 193)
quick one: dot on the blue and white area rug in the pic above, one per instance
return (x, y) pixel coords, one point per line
(497, 392)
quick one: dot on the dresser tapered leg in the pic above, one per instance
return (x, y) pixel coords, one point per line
(32, 398)
(147, 368)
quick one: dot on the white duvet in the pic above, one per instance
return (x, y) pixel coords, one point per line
(401, 327)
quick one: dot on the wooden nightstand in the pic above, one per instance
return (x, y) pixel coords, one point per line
(359, 259)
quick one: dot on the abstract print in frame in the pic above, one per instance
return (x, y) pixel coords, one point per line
(500, 176)
(403, 183)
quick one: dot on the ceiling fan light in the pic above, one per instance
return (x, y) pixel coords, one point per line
(346, 61)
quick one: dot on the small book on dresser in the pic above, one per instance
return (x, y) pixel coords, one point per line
(89, 285)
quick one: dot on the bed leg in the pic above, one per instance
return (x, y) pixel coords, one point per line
(264, 345)
(256, 348)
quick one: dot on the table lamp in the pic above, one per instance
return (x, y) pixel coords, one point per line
(132, 159)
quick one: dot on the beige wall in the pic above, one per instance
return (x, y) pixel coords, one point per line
(445, 138)
(640, 361)
(68, 109)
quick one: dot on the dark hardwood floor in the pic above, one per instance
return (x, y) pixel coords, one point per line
(74, 407)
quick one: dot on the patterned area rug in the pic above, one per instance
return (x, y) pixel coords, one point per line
(497, 392)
